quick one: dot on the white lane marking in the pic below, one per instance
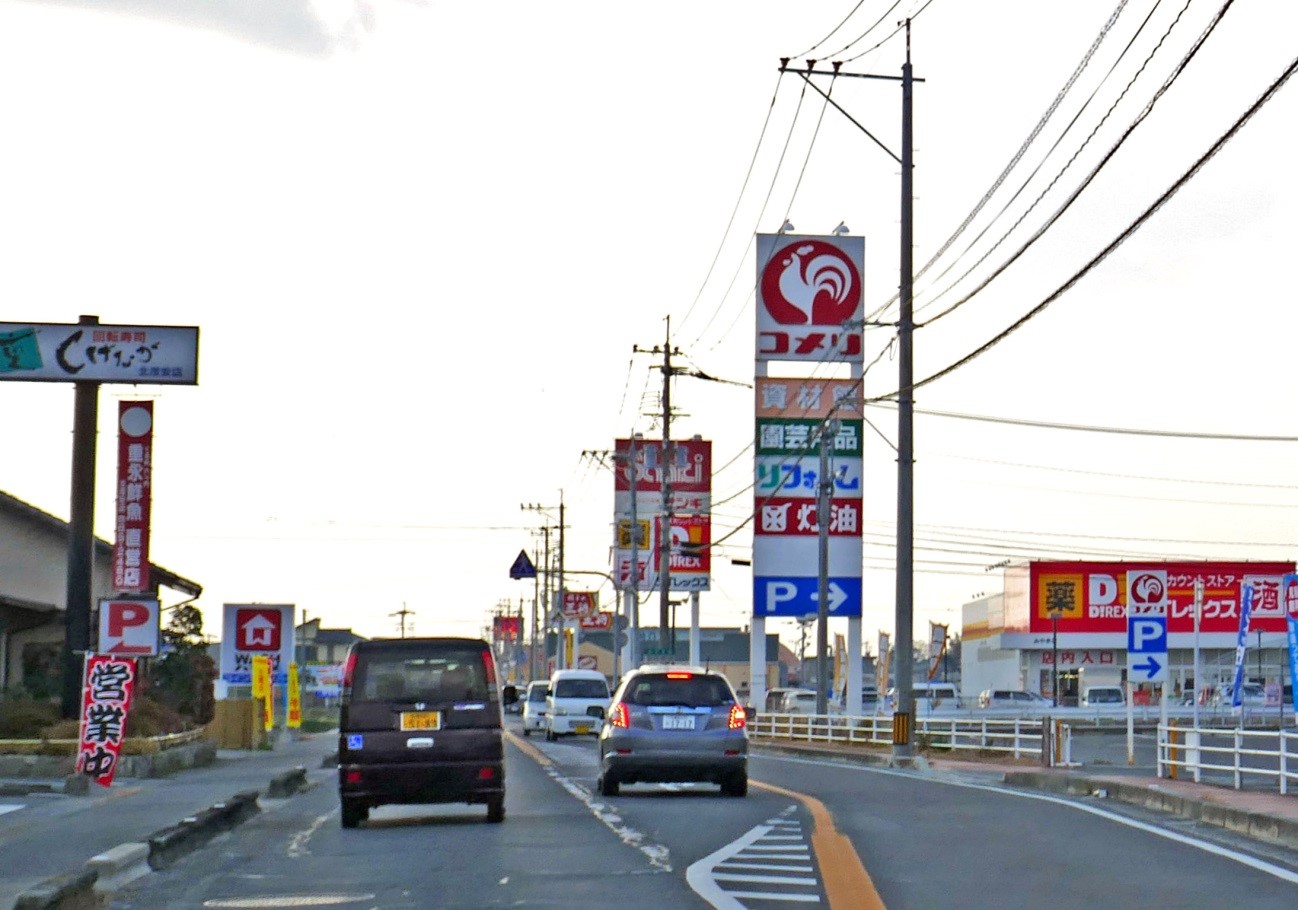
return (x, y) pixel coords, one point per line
(659, 857)
(1243, 859)
(764, 879)
(297, 845)
(10, 807)
(706, 875)
(765, 896)
(775, 848)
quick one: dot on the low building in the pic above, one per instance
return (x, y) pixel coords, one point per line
(1065, 623)
(33, 594)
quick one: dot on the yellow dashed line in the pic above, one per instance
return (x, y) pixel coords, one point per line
(528, 749)
(847, 885)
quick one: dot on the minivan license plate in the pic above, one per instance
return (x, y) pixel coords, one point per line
(421, 720)
(684, 722)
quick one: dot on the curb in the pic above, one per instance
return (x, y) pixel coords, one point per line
(70, 891)
(1255, 825)
(118, 867)
(287, 783)
(170, 844)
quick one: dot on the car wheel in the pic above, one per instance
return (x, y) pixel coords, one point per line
(549, 735)
(527, 731)
(496, 809)
(353, 813)
(608, 785)
(737, 785)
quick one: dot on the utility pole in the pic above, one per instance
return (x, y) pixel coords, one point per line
(549, 605)
(824, 489)
(402, 613)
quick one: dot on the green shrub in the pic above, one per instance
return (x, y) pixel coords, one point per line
(24, 718)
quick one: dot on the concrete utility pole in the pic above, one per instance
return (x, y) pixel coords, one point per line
(402, 614)
(904, 648)
(552, 607)
(824, 490)
(665, 563)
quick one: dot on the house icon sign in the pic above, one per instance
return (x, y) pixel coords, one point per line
(258, 630)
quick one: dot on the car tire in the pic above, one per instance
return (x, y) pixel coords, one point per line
(353, 813)
(609, 785)
(527, 731)
(549, 735)
(735, 785)
(496, 810)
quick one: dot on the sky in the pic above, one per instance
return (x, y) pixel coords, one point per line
(427, 245)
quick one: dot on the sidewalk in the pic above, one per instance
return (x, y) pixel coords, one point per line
(1268, 817)
(56, 832)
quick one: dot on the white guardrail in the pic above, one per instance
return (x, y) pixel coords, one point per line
(1229, 755)
(1020, 737)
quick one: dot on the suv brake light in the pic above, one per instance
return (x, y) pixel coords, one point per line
(680, 675)
(489, 666)
(738, 719)
(619, 716)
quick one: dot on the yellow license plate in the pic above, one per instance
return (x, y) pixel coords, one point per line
(421, 720)
(581, 728)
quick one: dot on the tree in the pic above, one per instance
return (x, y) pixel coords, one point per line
(183, 677)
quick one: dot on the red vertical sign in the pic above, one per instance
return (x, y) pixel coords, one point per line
(105, 700)
(134, 495)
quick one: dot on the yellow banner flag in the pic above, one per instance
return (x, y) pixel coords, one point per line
(294, 698)
(261, 689)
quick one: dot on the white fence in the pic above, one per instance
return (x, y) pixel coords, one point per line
(1019, 737)
(1233, 755)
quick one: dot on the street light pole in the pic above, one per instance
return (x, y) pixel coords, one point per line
(1054, 661)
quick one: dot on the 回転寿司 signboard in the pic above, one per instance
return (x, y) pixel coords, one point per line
(90, 352)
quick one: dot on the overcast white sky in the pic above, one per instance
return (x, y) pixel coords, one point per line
(422, 239)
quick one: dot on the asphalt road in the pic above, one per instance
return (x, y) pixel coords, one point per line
(922, 840)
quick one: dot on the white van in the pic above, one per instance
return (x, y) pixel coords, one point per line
(577, 702)
(1103, 696)
(931, 696)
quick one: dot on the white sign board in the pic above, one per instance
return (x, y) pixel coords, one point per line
(252, 629)
(129, 627)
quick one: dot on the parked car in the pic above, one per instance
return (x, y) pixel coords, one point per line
(1012, 698)
(420, 722)
(1103, 696)
(775, 698)
(576, 703)
(674, 723)
(1252, 695)
(533, 703)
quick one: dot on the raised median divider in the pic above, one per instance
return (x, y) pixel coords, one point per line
(118, 867)
(175, 841)
(70, 891)
(287, 783)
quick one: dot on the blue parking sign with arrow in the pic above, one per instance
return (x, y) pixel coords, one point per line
(1147, 648)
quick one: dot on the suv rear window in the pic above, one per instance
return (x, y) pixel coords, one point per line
(690, 692)
(451, 674)
(580, 688)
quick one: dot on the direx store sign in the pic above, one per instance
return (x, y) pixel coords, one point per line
(1091, 597)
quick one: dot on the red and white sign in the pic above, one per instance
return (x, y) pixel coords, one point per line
(129, 627)
(807, 289)
(690, 470)
(252, 629)
(577, 604)
(134, 495)
(106, 691)
(597, 622)
(1092, 596)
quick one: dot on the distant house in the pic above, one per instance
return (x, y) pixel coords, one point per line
(324, 646)
(33, 594)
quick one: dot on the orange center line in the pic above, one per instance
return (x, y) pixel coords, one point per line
(847, 885)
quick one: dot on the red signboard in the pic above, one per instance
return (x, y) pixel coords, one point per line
(579, 603)
(797, 517)
(598, 622)
(506, 628)
(691, 466)
(257, 629)
(1091, 596)
(106, 693)
(134, 495)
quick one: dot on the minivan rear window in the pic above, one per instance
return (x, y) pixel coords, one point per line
(581, 688)
(694, 692)
(450, 674)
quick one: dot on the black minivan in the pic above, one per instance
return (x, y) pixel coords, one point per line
(421, 723)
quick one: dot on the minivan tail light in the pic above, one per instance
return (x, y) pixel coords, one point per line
(738, 719)
(349, 670)
(489, 666)
(619, 716)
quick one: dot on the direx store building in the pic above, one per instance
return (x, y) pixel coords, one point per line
(1075, 613)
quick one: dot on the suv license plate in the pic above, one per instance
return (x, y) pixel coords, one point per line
(421, 720)
(671, 722)
(581, 728)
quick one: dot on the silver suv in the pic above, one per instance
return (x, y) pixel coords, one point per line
(674, 723)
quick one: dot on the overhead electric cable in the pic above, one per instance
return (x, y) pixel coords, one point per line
(1120, 239)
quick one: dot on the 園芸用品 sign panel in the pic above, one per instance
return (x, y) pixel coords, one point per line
(810, 298)
(256, 630)
(90, 352)
(134, 495)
